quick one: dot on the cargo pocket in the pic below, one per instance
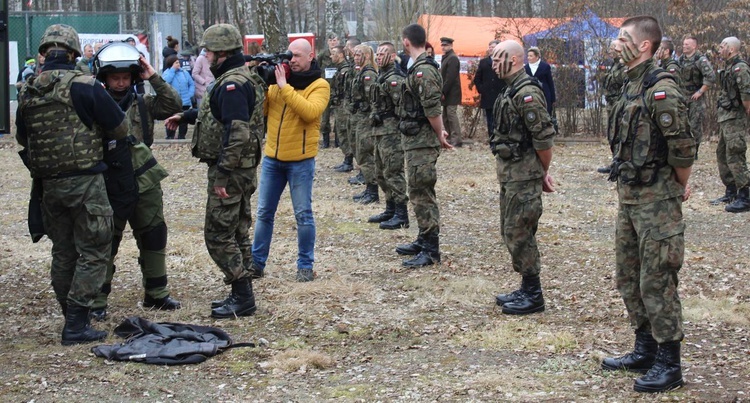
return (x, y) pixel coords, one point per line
(99, 224)
(669, 244)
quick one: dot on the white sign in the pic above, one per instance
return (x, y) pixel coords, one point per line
(330, 72)
(13, 62)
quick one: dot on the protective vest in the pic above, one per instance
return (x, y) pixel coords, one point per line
(640, 149)
(411, 108)
(362, 80)
(510, 137)
(338, 86)
(690, 72)
(730, 98)
(386, 95)
(209, 132)
(59, 143)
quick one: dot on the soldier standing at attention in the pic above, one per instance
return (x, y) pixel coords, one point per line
(652, 171)
(422, 135)
(389, 152)
(733, 111)
(344, 69)
(523, 153)
(351, 43)
(697, 77)
(327, 65)
(612, 85)
(120, 67)
(227, 138)
(360, 107)
(60, 115)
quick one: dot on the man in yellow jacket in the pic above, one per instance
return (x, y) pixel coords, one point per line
(294, 106)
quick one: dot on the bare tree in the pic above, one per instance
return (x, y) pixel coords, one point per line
(271, 25)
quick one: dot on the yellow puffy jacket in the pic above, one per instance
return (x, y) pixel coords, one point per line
(294, 120)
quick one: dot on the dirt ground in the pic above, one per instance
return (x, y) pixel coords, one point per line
(369, 330)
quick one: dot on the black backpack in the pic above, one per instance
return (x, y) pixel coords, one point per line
(166, 343)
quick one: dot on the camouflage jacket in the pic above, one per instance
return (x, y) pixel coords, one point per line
(695, 71)
(735, 89)
(420, 99)
(339, 83)
(673, 68)
(651, 136)
(164, 104)
(385, 97)
(522, 126)
(612, 82)
(359, 95)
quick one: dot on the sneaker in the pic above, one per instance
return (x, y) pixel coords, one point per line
(305, 275)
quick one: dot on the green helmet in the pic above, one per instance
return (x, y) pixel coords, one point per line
(60, 35)
(221, 37)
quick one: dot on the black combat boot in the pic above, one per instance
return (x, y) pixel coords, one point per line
(503, 299)
(529, 300)
(390, 209)
(729, 194)
(77, 329)
(64, 307)
(255, 272)
(604, 170)
(326, 140)
(241, 302)
(370, 196)
(429, 255)
(666, 374)
(400, 218)
(357, 197)
(640, 360)
(411, 248)
(741, 203)
(346, 166)
(163, 304)
(357, 179)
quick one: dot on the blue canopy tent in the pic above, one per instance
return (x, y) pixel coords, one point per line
(581, 42)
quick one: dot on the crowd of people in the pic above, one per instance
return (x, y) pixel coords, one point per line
(393, 122)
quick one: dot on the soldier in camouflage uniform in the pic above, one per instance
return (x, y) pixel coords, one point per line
(119, 66)
(359, 107)
(612, 85)
(521, 141)
(64, 121)
(344, 69)
(351, 43)
(385, 95)
(664, 56)
(654, 154)
(733, 110)
(697, 77)
(228, 129)
(326, 63)
(422, 136)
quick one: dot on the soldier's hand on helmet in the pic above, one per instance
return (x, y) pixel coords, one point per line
(221, 192)
(444, 140)
(148, 70)
(548, 185)
(173, 122)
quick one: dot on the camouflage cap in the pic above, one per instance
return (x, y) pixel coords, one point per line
(60, 35)
(221, 37)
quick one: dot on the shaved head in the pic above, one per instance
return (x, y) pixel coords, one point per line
(729, 47)
(733, 43)
(507, 58)
(302, 55)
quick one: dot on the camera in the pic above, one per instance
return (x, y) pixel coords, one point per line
(267, 62)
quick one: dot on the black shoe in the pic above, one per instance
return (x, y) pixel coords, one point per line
(220, 302)
(326, 140)
(344, 168)
(358, 179)
(429, 255)
(410, 248)
(77, 329)
(400, 218)
(741, 203)
(503, 299)
(370, 196)
(390, 209)
(640, 360)
(605, 169)
(529, 300)
(163, 304)
(242, 303)
(98, 314)
(665, 374)
(357, 197)
(729, 194)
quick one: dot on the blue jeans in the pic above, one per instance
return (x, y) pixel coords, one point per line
(274, 177)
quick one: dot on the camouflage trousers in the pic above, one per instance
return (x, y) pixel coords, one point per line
(649, 250)
(389, 162)
(325, 121)
(696, 116)
(341, 126)
(228, 223)
(150, 233)
(421, 177)
(452, 124)
(351, 131)
(78, 219)
(365, 152)
(731, 153)
(520, 210)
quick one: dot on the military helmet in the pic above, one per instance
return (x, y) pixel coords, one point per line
(222, 37)
(117, 57)
(60, 35)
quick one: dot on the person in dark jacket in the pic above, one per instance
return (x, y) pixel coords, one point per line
(173, 46)
(488, 85)
(542, 71)
(450, 70)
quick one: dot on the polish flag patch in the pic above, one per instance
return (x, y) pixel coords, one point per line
(528, 98)
(659, 95)
(394, 83)
(231, 87)
(367, 78)
(737, 69)
(419, 74)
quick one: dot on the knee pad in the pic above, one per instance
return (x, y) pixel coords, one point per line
(156, 238)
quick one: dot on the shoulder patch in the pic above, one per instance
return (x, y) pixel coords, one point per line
(737, 69)
(528, 98)
(659, 95)
(394, 83)
(672, 70)
(231, 87)
(530, 116)
(665, 119)
(368, 78)
(419, 74)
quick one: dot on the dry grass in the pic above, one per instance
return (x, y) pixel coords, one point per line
(369, 330)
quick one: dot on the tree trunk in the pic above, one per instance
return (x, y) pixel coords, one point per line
(360, 16)
(271, 25)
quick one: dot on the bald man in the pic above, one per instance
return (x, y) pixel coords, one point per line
(294, 106)
(697, 76)
(733, 110)
(523, 153)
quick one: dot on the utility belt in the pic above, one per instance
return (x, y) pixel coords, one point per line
(244, 162)
(509, 151)
(376, 119)
(632, 175)
(728, 104)
(410, 126)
